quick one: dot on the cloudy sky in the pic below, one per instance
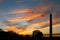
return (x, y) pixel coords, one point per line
(28, 15)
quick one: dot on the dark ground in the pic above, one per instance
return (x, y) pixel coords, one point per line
(36, 35)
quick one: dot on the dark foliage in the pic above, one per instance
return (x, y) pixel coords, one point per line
(36, 35)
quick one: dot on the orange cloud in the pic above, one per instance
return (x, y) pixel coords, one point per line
(48, 27)
(42, 24)
(24, 32)
(41, 9)
(36, 26)
(14, 29)
(44, 29)
(21, 11)
(25, 18)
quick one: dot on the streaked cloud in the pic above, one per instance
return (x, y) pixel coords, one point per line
(21, 11)
(25, 18)
(37, 15)
(38, 9)
(29, 31)
(14, 29)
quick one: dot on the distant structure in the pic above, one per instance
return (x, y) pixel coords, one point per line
(50, 25)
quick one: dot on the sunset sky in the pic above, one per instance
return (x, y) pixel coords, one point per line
(24, 16)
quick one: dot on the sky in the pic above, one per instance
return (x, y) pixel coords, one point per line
(26, 16)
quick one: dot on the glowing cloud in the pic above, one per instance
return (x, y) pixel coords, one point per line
(14, 29)
(29, 31)
(21, 11)
(26, 18)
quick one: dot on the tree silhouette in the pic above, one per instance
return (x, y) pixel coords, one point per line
(37, 35)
